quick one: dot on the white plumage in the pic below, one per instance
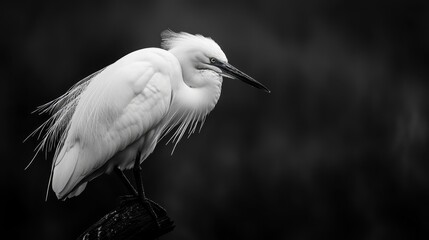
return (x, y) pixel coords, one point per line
(107, 118)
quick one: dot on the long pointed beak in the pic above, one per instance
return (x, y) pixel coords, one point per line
(232, 72)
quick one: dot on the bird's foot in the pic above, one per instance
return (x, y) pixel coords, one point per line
(147, 204)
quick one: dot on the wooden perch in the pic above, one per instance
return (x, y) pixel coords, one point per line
(130, 220)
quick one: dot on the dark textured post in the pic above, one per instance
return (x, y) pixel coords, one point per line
(130, 220)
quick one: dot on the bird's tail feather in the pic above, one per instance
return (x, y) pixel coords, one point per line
(64, 168)
(77, 191)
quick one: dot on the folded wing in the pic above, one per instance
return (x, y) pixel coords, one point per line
(118, 107)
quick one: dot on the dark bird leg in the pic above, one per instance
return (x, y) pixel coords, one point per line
(126, 182)
(131, 188)
(140, 189)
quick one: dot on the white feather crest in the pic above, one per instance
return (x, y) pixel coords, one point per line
(172, 39)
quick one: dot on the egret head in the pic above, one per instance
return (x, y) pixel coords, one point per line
(203, 64)
(199, 54)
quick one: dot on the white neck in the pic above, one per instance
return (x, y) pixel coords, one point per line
(198, 100)
(191, 105)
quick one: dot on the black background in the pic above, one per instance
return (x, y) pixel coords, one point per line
(338, 150)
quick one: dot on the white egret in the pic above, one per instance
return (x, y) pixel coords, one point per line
(113, 119)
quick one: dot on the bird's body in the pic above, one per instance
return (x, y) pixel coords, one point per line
(122, 111)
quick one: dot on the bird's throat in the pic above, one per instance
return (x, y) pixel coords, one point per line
(190, 106)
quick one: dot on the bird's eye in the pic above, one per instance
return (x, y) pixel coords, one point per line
(212, 60)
